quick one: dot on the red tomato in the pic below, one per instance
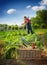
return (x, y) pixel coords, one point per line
(33, 46)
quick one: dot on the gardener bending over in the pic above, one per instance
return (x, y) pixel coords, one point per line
(28, 24)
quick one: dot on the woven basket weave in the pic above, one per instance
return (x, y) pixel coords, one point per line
(29, 54)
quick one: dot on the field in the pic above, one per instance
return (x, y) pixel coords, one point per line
(40, 30)
(11, 40)
(15, 36)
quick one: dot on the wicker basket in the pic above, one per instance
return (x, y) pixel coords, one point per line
(28, 54)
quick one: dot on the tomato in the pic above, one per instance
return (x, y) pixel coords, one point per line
(33, 46)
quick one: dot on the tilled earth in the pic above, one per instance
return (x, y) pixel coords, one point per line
(31, 62)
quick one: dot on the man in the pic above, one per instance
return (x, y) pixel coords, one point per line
(28, 24)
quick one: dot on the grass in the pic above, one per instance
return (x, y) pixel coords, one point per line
(15, 35)
(37, 31)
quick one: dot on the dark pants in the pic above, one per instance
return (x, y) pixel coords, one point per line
(29, 28)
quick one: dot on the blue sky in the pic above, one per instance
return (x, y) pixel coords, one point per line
(13, 11)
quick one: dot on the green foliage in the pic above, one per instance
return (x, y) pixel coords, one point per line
(5, 27)
(36, 39)
(10, 50)
(40, 21)
(12, 40)
(35, 22)
(45, 36)
(16, 27)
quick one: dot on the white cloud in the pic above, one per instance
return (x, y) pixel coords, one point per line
(11, 11)
(29, 6)
(42, 6)
(38, 8)
(43, 2)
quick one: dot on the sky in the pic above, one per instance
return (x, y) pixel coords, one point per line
(12, 12)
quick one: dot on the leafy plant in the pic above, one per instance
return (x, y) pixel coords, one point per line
(45, 36)
(10, 49)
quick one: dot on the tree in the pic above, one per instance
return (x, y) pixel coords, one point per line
(40, 20)
(16, 27)
(42, 16)
(5, 26)
(9, 27)
(1, 27)
(34, 22)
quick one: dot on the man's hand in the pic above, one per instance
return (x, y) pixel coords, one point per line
(23, 24)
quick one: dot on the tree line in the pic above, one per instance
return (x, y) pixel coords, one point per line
(40, 21)
(5, 27)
